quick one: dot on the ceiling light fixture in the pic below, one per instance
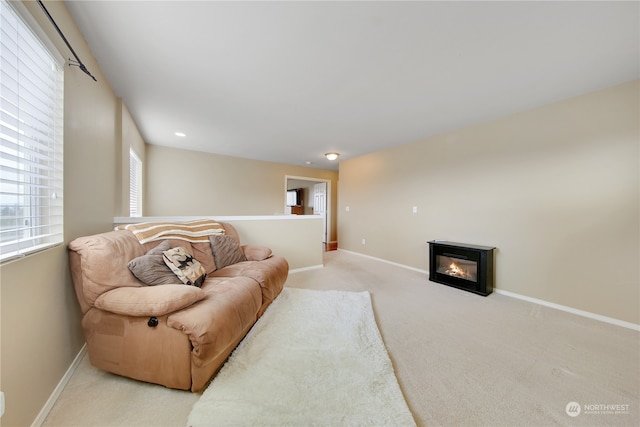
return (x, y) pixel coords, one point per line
(331, 156)
(180, 134)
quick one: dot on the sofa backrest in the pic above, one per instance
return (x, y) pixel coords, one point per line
(99, 262)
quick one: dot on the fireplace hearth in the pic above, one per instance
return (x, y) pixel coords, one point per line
(461, 265)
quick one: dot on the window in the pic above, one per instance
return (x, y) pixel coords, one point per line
(31, 140)
(135, 184)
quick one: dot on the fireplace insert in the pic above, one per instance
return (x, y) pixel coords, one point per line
(461, 265)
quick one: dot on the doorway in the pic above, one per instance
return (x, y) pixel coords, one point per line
(316, 199)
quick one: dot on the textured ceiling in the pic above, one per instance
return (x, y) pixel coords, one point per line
(288, 81)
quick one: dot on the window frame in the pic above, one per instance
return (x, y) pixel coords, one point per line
(135, 184)
(31, 156)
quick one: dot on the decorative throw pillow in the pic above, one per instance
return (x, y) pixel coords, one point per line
(185, 266)
(226, 250)
(151, 269)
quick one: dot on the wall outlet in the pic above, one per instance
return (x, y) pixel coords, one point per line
(346, 208)
(364, 242)
(415, 209)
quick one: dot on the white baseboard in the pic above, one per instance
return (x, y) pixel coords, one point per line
(313, 267)
(386, 261)
(59, 388)
(582, 313)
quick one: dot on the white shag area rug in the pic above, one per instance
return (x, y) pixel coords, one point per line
(314, 358)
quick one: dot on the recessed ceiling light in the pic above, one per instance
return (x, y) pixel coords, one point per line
(180, 134)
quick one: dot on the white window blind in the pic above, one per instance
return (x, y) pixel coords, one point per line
(135, 184)
(31, 140)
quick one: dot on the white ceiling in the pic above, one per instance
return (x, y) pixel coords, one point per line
(288, 81)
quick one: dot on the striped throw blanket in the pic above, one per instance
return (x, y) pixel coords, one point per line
(191, 231)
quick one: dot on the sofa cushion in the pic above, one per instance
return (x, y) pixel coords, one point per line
(202, 252)
(185, 266)
(216, 324)
(256, 253)
(270, 274)
(226, 251)
(149, 300)
(151, 269)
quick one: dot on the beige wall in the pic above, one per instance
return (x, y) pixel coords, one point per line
(296, 239)
(128, 137)
(40, 319)
(555, 189)
(190, 183)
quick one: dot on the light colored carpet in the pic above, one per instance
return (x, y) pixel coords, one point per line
(460, 359)
(314, 358)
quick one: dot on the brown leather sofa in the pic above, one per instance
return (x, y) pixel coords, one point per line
(173, 334)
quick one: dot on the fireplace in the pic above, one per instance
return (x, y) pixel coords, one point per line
(461, 265)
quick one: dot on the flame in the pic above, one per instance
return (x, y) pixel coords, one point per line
(456, 271)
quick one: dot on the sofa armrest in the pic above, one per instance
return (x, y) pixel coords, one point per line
(149, 300)
(256, 253)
